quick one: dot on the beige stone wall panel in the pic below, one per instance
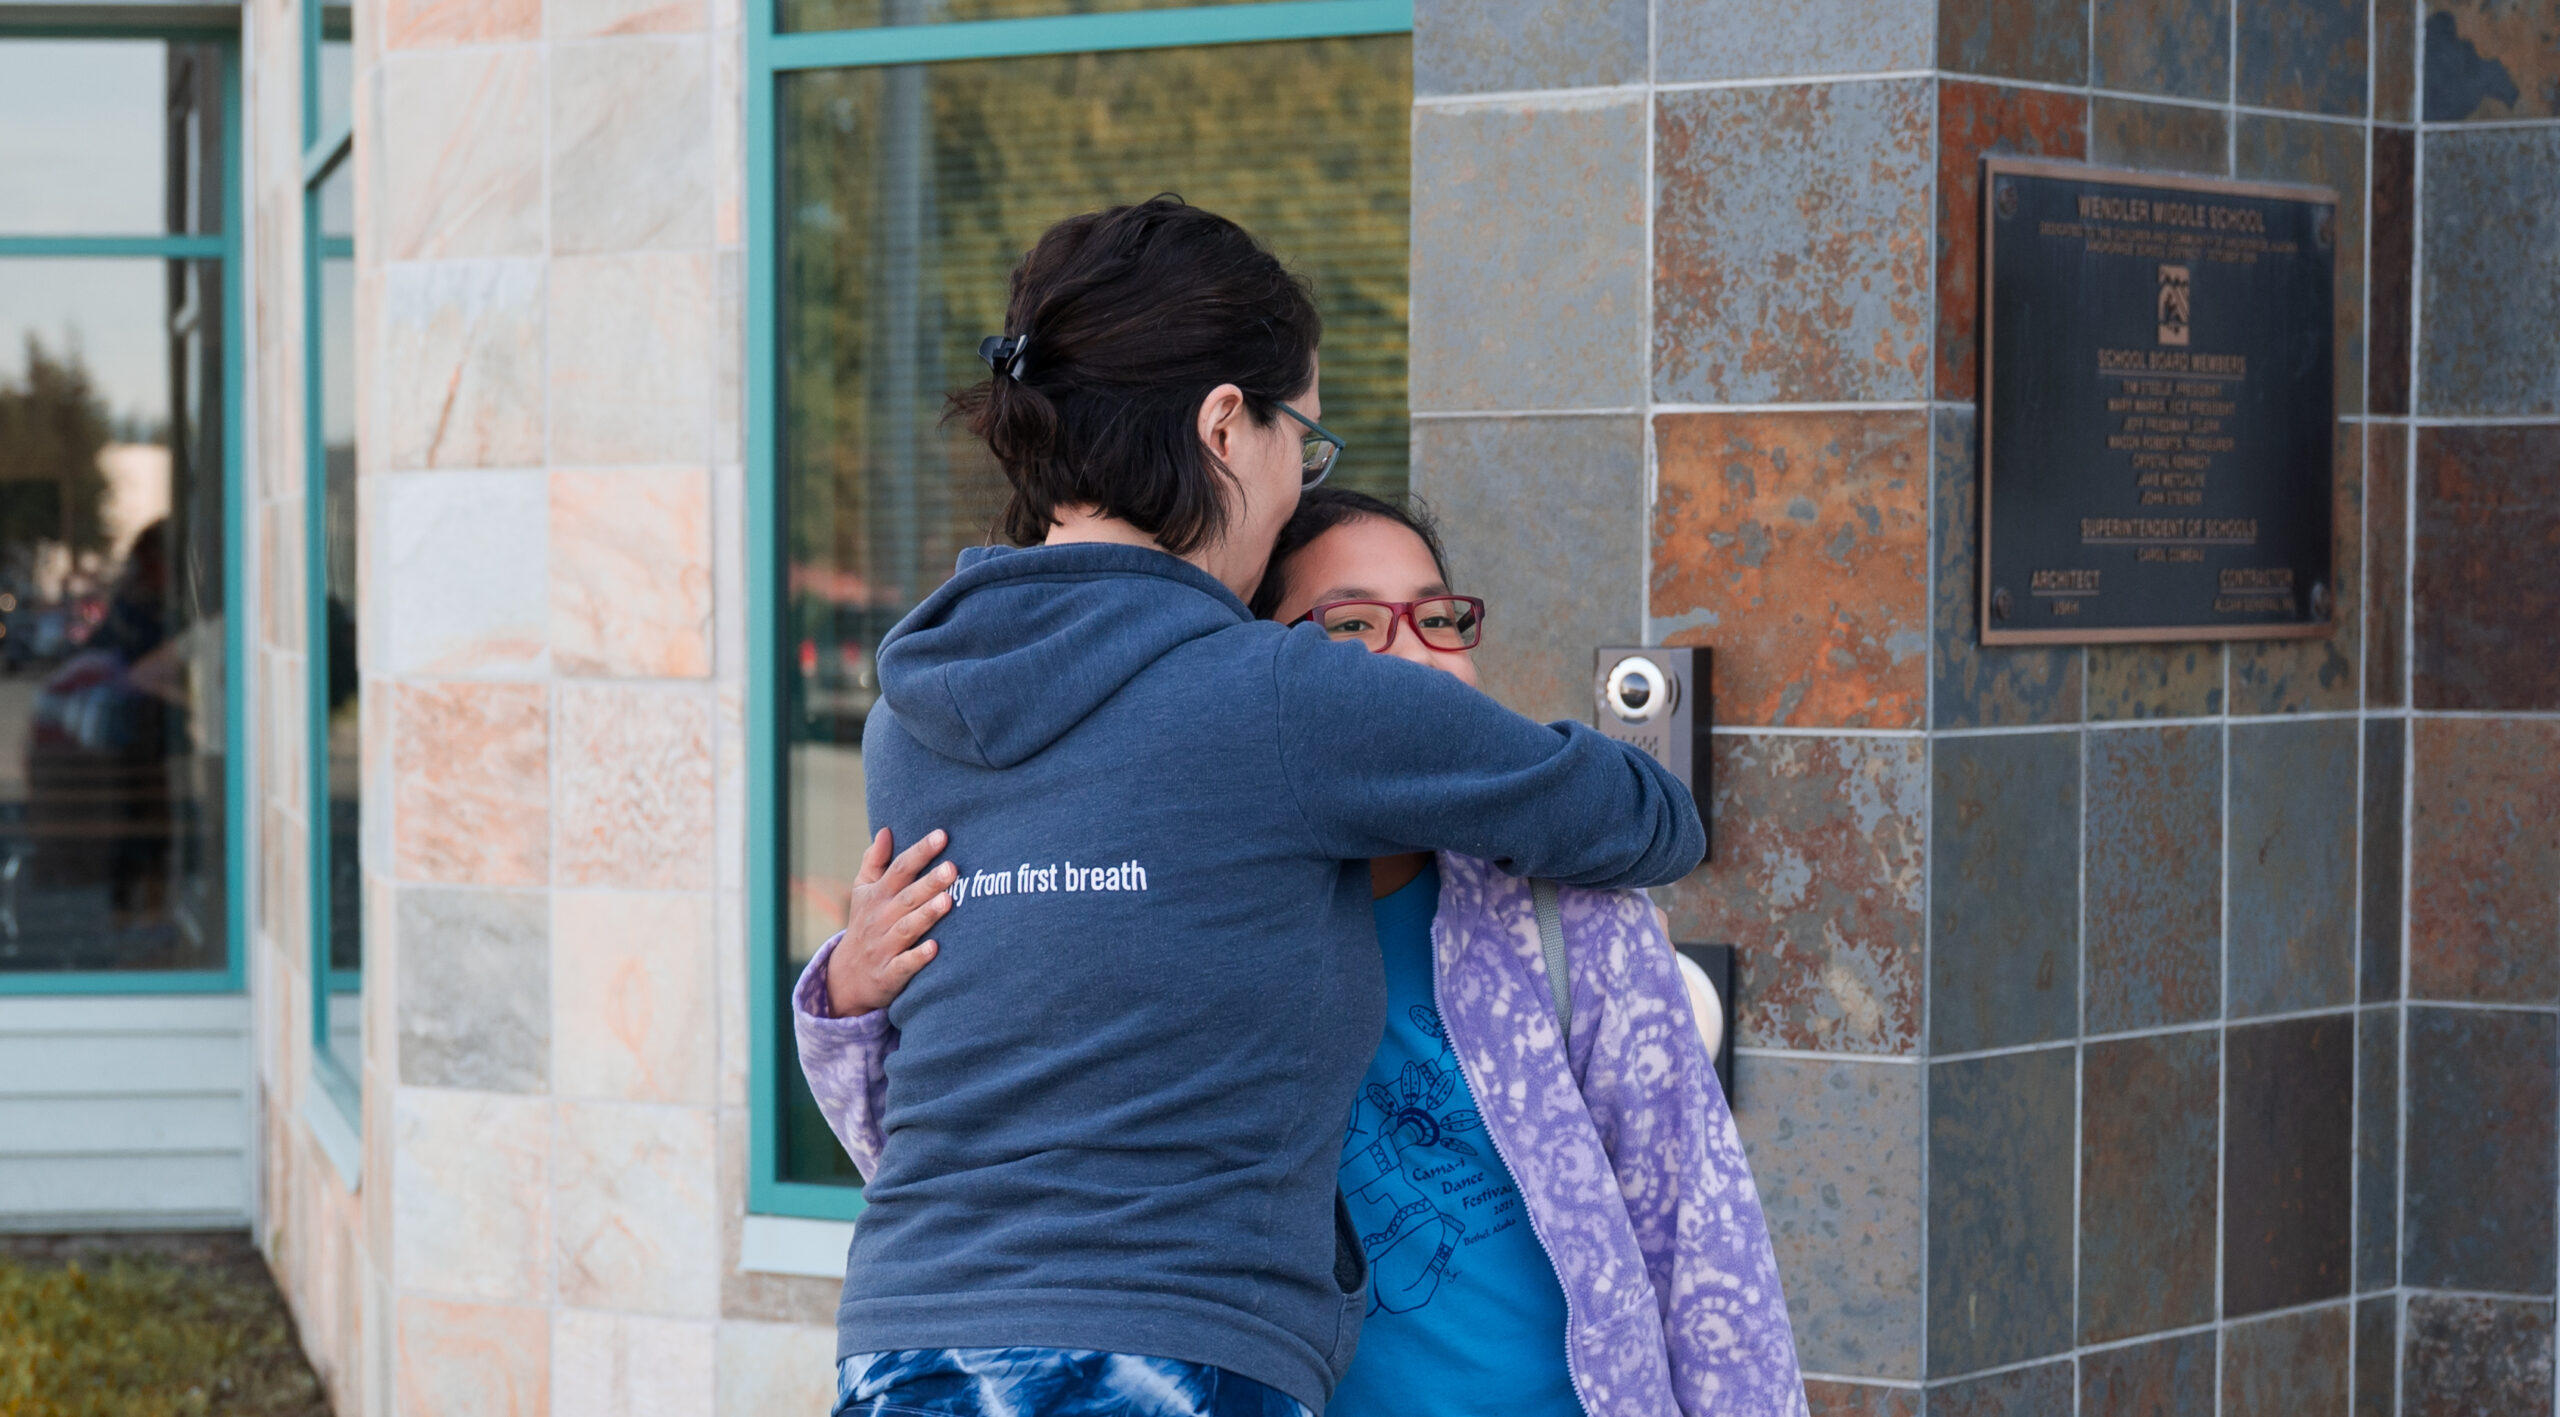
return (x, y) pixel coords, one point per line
(465, 554)
(796, 1303)
(631, 359)
(461, 162)
(637, 1202)
(621, 1365)
(471, 1195)
(473, 804)
(473, 1360)
(432, 24)
(630, 573)
(766, 1368)
(635, 788)
(631, 997)
(605, 19)
(631, 145)
(462, 362)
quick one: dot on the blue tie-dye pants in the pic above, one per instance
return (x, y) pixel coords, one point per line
(1046, 1382)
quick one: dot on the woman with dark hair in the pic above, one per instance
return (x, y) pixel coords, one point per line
(1112, 1118)
(1502, 1278)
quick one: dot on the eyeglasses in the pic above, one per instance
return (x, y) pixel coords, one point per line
(1448, 623)
(1318, 455)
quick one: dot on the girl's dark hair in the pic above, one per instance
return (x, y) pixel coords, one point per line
(1131, 317)
(1320, 510)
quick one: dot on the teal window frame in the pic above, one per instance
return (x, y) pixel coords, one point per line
(770, 55)
(225, 248)
(324, 151)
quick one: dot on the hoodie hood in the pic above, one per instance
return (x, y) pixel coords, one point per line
(1023, 642)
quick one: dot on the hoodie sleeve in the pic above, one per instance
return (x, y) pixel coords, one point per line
(1652, 1093)
(1385, 756)
(846, 1062)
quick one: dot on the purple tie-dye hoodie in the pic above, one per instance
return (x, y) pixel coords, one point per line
(1634, 1177)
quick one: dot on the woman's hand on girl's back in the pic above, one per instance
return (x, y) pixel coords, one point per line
(894, 903)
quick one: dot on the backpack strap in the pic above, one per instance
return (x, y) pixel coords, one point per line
(1542, 895)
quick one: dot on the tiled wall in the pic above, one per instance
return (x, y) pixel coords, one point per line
(551, 496)
(2078, 1066)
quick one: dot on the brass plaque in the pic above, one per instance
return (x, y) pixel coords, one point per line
(2157, 406)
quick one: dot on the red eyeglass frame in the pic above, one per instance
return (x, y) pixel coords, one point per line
(1400, 614)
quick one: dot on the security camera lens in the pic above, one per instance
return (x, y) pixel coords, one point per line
(1635, 691)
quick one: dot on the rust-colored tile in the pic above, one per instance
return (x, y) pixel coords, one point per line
(2303, 55)
(2395, 234)
(2484, 861)
(2386, 564)
(1818, 879)
(471, 798)
(2488, 569)
(2181, 48)
(2172, 1377)
(2318, 674)
(2166, 137)
(1830, 1399)
(2395, 61)
(2292, 1365)
(2152, 881)
(1791, 243)
(2043, 40)
(2472, 1355)
(1798, 545)
(2021, 1392)
(1975, 120)
(2329, 155)
(2492, 59)
(2154, 681)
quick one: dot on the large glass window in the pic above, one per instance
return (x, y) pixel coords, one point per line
(904, 195)
(114, 445)
(336, 683)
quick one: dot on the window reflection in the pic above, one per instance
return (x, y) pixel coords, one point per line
(338, 657)
(908, 193)
(111, 668)
(110, 137)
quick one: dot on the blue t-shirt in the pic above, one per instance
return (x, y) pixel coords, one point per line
(1466, 1314)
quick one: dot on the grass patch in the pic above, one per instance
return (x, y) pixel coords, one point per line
(146, 1326)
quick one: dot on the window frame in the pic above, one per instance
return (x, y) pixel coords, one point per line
(324, 153)
(771, 54)
(225, 250)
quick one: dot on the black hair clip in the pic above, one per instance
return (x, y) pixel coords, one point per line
(1005, 353)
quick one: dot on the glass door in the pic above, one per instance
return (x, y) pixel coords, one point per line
(116, 439)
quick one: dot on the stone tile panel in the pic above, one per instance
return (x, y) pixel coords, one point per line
(2171, 1377)
(2469, 1355)
(464, 557)
(635, 788)
(2484, 864)
(2181, 48)
(1543, 308)
(1824, 1398)
(1797, 544)
(630, 573)
(2042, 40)
(2487, 572)
(1469, 46)
(2291, 918)
(2004, 891)
(632, 972)
(2329, 155)
(2489, 273)
(2150, 1118)
(431, 24)
(474, 989)
(1835, 1153)
(1975, 685)
(465, 177)
(1818, 881)
(768, 1368)
(2308, 56)
(462, 358)
(1733, 39)
(2166, 137)
(782, 1299)
(2320, 674)
(2128, 682)
(472, 800)
(2291, 1365)
(2385, 796)
(624, 1365)
(2386, 565)
(462, 1360)
(1545, 518)
(630, 141)
(2377, 1357)
(471, 1194)
(1791, 243)
(636, 1200)
(2481, 1173)
(610, 19)
(2377, 1150)
(1976, 121)
(2153, 905)
(2394, 256)
(2395, 62)
(631, 340)
(2020, 1392)
(2492, 59)
(2288, 1163)
(2000, 1183)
